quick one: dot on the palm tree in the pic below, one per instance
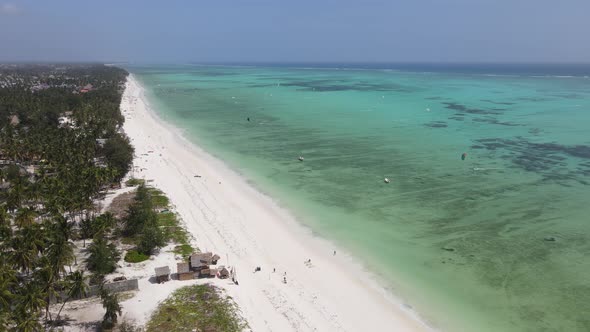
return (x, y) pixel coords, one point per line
(103, 255)
(78, 288)
(30, 300)
(61, 249)
(45, 276)
(28, 323)
(7, 283)
(60, 254)
(22, 257)
(26, 245)
(25, 217)
(113, 309)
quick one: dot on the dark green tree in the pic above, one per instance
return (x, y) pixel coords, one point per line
(103, 256)
(118, 153)
(110, 303)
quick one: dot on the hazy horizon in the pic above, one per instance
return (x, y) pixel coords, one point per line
(265, 31)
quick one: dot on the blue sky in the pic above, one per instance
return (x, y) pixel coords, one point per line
(296, 31)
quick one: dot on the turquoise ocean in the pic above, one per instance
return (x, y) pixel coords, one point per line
(499, 241)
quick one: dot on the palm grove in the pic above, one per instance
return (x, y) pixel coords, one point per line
(61, 147)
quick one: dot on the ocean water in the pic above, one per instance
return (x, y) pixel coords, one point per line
(499, 241)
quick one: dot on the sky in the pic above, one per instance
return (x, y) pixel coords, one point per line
(296, 31)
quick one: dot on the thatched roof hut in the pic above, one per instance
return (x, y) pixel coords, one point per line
(203, 259)
(183, 271)
(163, 270)
(162, 274)
(182, 268)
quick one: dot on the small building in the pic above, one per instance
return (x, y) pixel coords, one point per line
(184, 272)
(207, 273)
(203, 260)
(162, 274)
(198, 261)
(222, 272)
(86, 88)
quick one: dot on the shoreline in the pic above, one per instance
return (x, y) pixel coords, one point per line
(224, 213)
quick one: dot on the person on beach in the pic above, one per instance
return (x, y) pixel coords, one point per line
(334, 252)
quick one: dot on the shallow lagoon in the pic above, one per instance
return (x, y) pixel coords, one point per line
(499, 241)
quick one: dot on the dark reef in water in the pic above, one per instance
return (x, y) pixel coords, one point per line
(436, 124)
(461, 109)
(535, 131)
(334, 85)
(496, 122)
(547, 159)
(215, 73)
(498, 102)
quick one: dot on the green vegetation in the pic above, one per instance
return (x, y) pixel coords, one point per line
(110, 302)
(142, 223)
(133, 256)
(148, 229)
(198, 307)
(168, 221)
(159, 200)
(103, 256)
(119, 155)
(134, 182)
(60, 148)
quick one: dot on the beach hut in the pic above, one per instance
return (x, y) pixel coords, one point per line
(207, 273)
(162, 274)
(203, 260)
(184, 272)
(199, 261)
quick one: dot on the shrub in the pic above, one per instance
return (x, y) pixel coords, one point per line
(134, 182)
(133, 256)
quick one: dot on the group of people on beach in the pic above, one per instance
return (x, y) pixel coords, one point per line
(274, 270)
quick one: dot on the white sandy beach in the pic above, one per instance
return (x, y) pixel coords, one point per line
(226, 215)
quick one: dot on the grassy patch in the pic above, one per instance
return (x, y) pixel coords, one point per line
(134, 182)
(184, 250)
(174, 232)
(129, 240)
(133, 256)
(198, 307)
(168, 221)
(159, 200)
